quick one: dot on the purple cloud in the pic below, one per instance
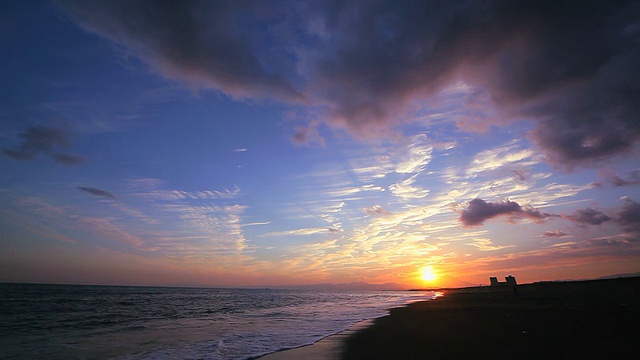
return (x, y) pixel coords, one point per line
(479, 210)
(588, 216)
(632, 178)
(571, 67)
(42, 140)
(95, 191)
(520, 175)
(629, 216)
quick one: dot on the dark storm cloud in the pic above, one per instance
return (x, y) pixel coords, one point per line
(479, 210)
(96, 192)
(588, 216)
(219, 44)
(45, 141)
(570, 66)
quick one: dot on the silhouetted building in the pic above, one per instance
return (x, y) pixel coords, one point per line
(509, 280)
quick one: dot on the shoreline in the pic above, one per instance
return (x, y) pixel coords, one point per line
(331, 347)
(577, 319)
(583, 319)
(327, 348)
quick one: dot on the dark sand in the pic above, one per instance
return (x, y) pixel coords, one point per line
(563, 320)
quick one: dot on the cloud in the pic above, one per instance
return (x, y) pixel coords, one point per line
(96, 192)
(377, 210)
(45, 141)
(417, 156)
(520, 175)
(172, 195)
(554, 233)
(629, 216)
(307, 135)
(301, 232)
(487, 245)
(588, 216)
(571, 67)
(632, 178)
(205, 44)
(478, 211)
(503, 156)
(614, 241)
(405, 189)
(67, 159)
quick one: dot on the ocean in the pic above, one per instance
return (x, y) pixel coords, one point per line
(126, 322)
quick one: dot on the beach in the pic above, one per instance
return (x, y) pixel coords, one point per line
(582, 319)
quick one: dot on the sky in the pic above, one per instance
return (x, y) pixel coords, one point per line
(272, 143)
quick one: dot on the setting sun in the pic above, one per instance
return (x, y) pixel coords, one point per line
(427, 274)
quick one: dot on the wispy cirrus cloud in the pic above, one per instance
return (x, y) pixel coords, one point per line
(169, 195)
(405, 189)
(484, 244)
(302, 232)
(376, 210)
(418, 154)
(508, 155)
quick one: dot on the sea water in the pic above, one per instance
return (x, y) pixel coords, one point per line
(114, 322)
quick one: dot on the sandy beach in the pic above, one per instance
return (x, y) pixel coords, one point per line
(569, 320)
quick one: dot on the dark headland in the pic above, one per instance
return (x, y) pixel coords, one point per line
(547, 320)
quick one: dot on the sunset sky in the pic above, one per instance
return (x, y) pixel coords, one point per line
(266, 143)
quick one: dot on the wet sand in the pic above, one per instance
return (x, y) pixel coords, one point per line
(329, 348)
(557, 320)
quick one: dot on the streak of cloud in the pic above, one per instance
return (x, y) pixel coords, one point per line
(631, 179)
(96, 192)
(300, 232)
(377, 210)
(554, 233)
(44, 141)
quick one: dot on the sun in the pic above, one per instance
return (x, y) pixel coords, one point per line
(427, 274)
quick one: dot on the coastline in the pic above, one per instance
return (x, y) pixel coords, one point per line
(581, 319)
(328, 348)
(577, 319)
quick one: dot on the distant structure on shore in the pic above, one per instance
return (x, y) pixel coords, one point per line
(510, 281)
